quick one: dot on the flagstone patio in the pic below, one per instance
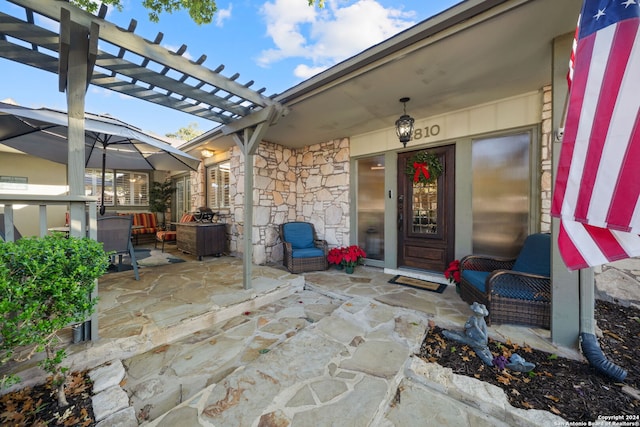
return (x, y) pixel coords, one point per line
(188, 333)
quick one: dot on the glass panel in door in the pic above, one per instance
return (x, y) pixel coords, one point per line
(182, 200)
(425, 208)
(179, 198)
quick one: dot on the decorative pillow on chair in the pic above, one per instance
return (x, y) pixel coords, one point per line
(299, 234)
(534, 258)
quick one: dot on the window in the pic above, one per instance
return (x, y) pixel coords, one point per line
(218, 185)
(370, 199)
(93, 185)
(128, 188)
(501, 198)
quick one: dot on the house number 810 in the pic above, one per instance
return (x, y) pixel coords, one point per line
(426, 132)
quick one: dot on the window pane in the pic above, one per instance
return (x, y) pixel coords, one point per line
(500, 196)
(212, 187)
(218, 185)
(132, 188)
(224, 200)
(370, 196)
(93, 185)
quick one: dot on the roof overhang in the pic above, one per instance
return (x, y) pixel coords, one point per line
(473, 53)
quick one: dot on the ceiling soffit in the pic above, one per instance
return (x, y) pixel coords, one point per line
(474, 53)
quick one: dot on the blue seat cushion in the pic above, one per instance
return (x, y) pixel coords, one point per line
(307, 253)
(535, 256)
(476, 278)
(299, 234)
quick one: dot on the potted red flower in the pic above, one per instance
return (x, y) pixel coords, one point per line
(453, 273)
(335, 256)
(353, 256)
(347, 257)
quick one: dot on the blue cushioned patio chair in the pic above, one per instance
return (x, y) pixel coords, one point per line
(513, 290)
(302, 250)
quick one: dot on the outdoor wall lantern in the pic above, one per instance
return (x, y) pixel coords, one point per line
(404, 125)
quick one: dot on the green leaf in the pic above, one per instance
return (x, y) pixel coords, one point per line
(46, 284)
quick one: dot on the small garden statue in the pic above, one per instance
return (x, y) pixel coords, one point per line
(476, 334)
(517, 363)
(476, 327)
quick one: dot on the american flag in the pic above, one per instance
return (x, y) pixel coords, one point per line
(572, 59)
(597, 186)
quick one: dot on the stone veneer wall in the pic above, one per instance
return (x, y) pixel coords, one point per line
(308, 184)
(312, 184)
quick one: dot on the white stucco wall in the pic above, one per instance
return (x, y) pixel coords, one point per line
(44, 177)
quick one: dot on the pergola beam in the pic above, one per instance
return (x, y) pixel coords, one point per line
(144, 48)
(119, 66)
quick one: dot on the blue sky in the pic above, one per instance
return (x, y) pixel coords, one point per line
(276, 43)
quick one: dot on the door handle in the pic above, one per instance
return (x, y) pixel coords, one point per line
(399, 221)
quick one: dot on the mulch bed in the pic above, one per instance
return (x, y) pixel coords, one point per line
(38, 406)
(571, 389)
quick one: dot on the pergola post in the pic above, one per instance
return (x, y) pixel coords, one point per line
(77, 48)
(248, 211)
(248, 143)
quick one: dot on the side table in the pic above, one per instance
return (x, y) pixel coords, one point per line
(201, 239)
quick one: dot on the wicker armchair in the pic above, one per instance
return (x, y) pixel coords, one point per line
(513, 290)
(302, 250)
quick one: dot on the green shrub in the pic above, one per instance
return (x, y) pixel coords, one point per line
(46, 285)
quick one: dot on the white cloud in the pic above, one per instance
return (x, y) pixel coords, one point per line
(303, 71)
(354, 28)
(323, 37)
(223, 15)
(285, 20)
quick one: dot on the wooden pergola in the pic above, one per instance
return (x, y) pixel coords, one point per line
(87, 49)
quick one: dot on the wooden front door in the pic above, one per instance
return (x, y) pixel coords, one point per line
(426, 214)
